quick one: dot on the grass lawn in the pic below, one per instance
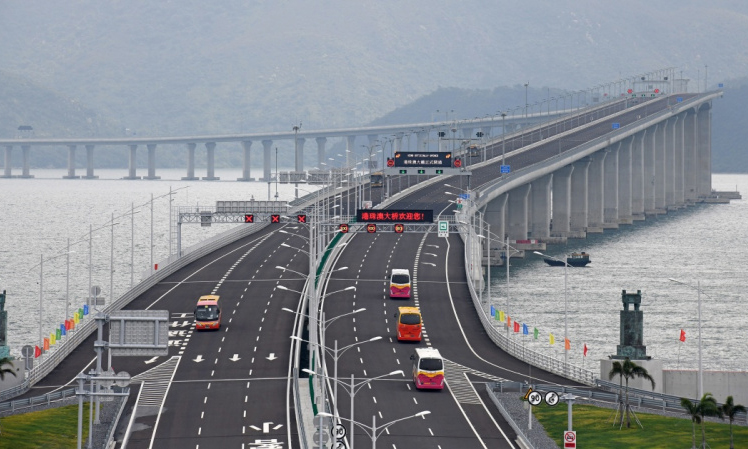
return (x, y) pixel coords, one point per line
(594, 427)
(55, 428)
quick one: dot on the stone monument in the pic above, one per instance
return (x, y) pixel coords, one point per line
(4, 349)
(632, 345)
(632, 329)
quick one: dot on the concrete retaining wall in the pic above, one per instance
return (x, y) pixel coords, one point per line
(721, 384)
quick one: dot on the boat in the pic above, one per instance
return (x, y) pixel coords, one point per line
(575, 260)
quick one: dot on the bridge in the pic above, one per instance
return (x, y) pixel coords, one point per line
(245, 386)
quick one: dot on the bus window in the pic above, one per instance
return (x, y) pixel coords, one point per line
(377, 178)
(428, 369)
(400, 283)
(207, 313)
(409, 325)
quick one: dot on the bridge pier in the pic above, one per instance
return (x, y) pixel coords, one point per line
(267, 175)
(540, 194)
(649, 170)
(625, 182)
(151, 162)
(689, 158)
(561, 221)
(495, 215)
(90, 163)
(422, 140)
(211, 147)
(670, 164)
(517, 213)
(71, 163)
(704, 124)
(26, 152)
(579, 199)
(637, 175)
(299, 174)
(350, 149)
(246, 145)
(660, 170)
(8, 168)
(679, 149)
(595, 189)
(132, 163)
(321, 141)
(610, 189)
(190, 163)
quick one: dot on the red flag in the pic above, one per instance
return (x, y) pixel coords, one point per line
(585, 349)
(67, 325)
(516, 326)
(567, 344)
(37, 352)
(682, 335)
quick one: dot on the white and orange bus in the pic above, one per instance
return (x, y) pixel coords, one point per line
(409, 324)
(208, 313)
(400, 283)
(428, 369)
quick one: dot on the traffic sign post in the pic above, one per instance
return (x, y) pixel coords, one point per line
(570, 439)
(443, 228)
(506, 169)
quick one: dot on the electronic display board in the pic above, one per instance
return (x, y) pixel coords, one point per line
(389, 216)
(423, 159)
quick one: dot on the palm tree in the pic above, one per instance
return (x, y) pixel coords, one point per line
(730, 409)
(629, 370)
(707, 407)
(693, 411)
(3, 370)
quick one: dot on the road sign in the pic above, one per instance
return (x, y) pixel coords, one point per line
(506, 168)
(275, 218)
(616, 125)
(570, 439)
(535, 398)
(423, 159)
(301, 218)
(139, 333)
(678, 99)
(338, 432)
(249, 218)
(721, 85)
(399, 228)
(27, 351)
(458, 163)
(344, 228)
(371, 228)
(443, 228)
(321, 436)
(551, 398)
(96, 290)
(390, 162)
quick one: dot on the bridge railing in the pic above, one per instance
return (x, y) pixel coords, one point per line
(53, 358)
(500, 338)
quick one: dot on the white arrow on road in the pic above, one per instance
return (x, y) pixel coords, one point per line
(431, 254)
(271, 356)
(429, 263)
(235, 358)
(151, 360)
(266, 427)
(198, 359)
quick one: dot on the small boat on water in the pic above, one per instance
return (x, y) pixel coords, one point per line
(575, 260)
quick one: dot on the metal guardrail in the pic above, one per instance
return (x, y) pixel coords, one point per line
(534, 358)
(508, 417)
(20, 404)
(53, 359)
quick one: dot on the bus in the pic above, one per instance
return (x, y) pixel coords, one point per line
(376, 179)
(400, 283)
(409, 324)
(428, 369)
(207, 313)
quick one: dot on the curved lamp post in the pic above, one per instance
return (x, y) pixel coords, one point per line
(374, 432)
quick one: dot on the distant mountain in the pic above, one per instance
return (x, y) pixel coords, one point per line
(169, 68)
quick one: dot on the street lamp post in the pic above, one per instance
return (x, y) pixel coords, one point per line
(297, 157)
(374, 435)
(698, 293)
(503, 139)
(566, 309)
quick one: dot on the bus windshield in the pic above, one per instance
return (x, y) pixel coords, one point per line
(206, 313)
(410, 318)
(431, 364)
(400, 279)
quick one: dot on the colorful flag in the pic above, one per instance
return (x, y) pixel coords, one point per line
(493, 311)
(567, 344)
(85, 309)
(535, 333)
(46, 344)
(52, 339)
(508, 321)
(585, 349)
(516, 326)
(501, 315)
(58, 334)
(682, 335)
(63, 328)
(80, 314)
(77, 319)
(67, 324)
(553, 340)
(525, 330)
(37, 351)
(72, 325)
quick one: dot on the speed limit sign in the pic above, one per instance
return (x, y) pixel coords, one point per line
(570, 439)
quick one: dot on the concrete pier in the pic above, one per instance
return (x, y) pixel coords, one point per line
(246, 146)
(190, 163)
(211, 147)
(151, 162)
(132, 163)
(71, 163)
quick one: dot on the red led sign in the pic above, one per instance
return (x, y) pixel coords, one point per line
(388, 216)
(248, 218)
